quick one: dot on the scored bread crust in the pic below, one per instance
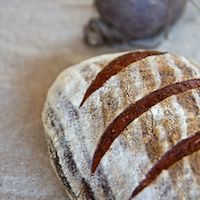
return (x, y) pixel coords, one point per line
(73, 133)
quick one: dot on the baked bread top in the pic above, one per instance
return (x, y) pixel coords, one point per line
(165, 120)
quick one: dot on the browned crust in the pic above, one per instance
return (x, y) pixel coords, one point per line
(115, 67)
(182, 149)
(133, 111)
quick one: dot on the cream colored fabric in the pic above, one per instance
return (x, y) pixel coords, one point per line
(38, 39)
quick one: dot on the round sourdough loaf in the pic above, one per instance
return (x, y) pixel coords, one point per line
(133, 120)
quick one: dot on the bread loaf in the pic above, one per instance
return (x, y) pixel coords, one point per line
(126, 125)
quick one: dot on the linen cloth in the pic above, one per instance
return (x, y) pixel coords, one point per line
(39, 39)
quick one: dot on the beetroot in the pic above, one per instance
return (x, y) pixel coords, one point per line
(131, 19)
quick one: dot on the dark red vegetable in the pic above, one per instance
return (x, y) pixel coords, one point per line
(128, 20)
